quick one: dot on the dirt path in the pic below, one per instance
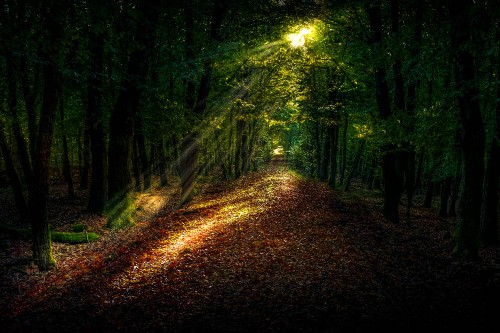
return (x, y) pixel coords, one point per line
(270, 252)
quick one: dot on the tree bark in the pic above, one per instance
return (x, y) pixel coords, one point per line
(392, 186)
(445, 195)
(355, 165)
(472, 148)
(98, 195)
(66, 163)
(22, 149)
(325, 155)
(39, 191)
(142, 154)
(189, 157)
(121, 124)
(14, 180)
(334, 143)
(489, 212)
(344, 147)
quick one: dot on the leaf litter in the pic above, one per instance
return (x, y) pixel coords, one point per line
(269, 252)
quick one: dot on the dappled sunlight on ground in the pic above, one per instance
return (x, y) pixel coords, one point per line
(268, 252)
(205, 220)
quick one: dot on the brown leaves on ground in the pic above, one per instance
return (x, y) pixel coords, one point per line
(269, 252)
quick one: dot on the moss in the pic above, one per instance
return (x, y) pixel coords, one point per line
(73, 237)
(55, 236)
(120, 213)
(79, 228)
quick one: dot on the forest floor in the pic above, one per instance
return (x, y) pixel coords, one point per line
(270, 252)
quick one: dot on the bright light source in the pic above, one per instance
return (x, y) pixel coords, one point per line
(297, 40)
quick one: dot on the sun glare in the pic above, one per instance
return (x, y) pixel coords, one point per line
(299, 39)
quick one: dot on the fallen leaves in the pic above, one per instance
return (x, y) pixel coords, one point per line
(268, 252)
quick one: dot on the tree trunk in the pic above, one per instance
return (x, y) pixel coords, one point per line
(188, 165)
(240, 125)
(455, 189)
(121, 124)
(334, 143)
(472, 148)
(162, 164)
(344, 147)
(245, 156)
(392, 191)
(39, 191)
(418, 177)
(189, 158)
(66, 163)
(22, 149)
(489, 212)
(98, 195)
(142, 154)
(429, 194)
(84, 173)
(14, 180)
(325, 155)
(29, 101)
(317, 148)
(355, 165)
(445, 194)
(135, 164)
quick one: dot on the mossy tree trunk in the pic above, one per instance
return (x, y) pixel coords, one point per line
(39, 190)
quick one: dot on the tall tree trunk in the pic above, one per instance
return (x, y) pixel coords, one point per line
(240, 126)
(317, 148)
(84, 170)
(29, 101)
(142, 154)
(489, 212)
(14, 180)
(39, 191)
(189, 157)
(355, 165)
(162, 164)
(66, 163)
(472, 148)
(429, 193)
(418, 177)
(345, 125)
(245, 154)
(22, 149)
(98, 193)
(189, 52)
(135, 164)
(325, 155)
(230, 145)
(121, 123)
(445, 194)
(334, 142)
(392, 186)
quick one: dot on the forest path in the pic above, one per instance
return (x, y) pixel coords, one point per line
(269, 252)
